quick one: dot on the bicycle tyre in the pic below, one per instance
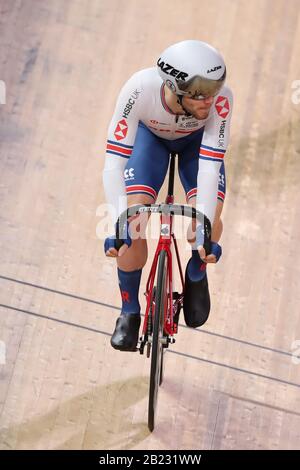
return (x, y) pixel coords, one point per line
(162, 367)
(157, 347)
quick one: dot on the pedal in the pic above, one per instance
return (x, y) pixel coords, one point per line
(176, 295)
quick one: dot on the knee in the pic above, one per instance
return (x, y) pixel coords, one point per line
(191, 233)
(135, 257)
(138, 224)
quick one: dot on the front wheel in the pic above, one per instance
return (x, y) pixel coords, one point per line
(157, 337)
(162, 366)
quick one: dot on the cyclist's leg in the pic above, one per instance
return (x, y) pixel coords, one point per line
(197, 299)
(136, 256)
(144, 176)
(188, 171)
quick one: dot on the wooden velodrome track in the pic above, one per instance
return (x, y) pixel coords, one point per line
(233, 384)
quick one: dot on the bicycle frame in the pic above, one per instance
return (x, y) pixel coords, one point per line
(165, 243)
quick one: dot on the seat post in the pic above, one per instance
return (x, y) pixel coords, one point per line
(171, 176)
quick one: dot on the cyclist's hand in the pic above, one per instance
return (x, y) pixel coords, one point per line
(215, 255)
(216, 250)
(111, 252)
(201, 252)
(110, 244)
(200, 242)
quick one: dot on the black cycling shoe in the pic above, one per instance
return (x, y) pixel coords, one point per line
(196, 301)
(125, 336)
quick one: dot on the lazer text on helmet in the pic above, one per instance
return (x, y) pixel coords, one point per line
(214, 69)
(170, 70)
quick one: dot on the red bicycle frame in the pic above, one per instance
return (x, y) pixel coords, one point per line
(164, 243)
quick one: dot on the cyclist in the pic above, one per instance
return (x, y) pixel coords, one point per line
(182, 106)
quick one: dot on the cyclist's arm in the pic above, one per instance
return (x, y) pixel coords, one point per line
(121, 135)
(212, 151)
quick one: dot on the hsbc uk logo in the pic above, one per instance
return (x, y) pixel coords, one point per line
(222, 106)
(222, 134)
(121, 130)
(129, 174)
(130, 103)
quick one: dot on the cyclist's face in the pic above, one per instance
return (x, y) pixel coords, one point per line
(198, 108)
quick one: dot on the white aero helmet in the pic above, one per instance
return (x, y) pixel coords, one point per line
(192, 68)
